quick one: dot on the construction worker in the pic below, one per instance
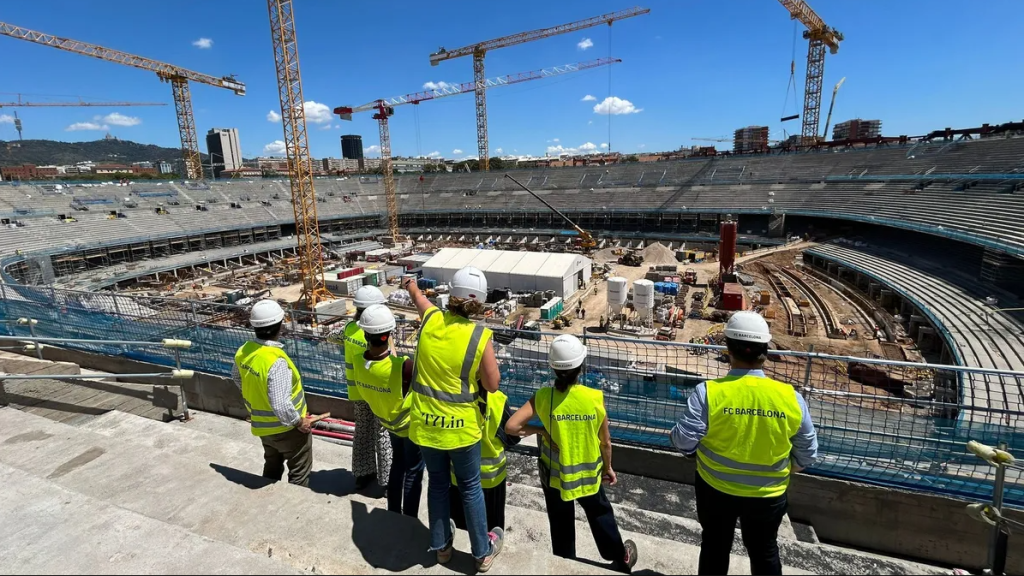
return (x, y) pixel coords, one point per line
(493, 463)
(371, 445)
(749, 433)
(454, 359)
(575, 456)
(383, 380)
(273, 394)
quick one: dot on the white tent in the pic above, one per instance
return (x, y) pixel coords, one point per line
(517, 271)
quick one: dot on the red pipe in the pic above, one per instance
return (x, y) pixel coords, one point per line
(336, 421)
(335, 435)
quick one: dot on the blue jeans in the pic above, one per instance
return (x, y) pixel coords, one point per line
(465, 462)
(405, 484)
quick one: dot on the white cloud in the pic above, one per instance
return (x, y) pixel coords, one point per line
(6, 119)
(203, 43)
(589, 122)
(555, 140)
(615, 105)
(498, 151)
(585, 148)
(77, 126)
(456, 151)
(275, 148)
(436, 85)
(317, 113)
(325, 127)
(273, 116)
(642, 146)
(588, 98)
(604, 144)
(434, 154)
(372, 149)
(119, 119)
(585, 43)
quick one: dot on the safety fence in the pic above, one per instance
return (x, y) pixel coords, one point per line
(878, 421)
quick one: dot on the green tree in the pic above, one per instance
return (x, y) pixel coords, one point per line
(631, 158)
(496, 163)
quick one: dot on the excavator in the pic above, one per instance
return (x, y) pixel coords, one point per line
(587, 240)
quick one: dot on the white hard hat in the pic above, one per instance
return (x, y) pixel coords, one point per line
(368, 296)
(470, 283)
(748, 327)
(266, 313)
(377, 319)
(566, 353)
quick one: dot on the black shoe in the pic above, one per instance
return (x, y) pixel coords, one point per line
(630, 560)
(363, 482)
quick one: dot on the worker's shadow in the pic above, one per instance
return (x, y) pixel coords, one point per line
(391, 541)
(338, 482)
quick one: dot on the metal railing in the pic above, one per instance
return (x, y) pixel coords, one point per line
(879, 421)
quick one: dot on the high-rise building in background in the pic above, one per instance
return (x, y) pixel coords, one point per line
(225, 151)
(352, 147)
(750, 139)
(856, 129)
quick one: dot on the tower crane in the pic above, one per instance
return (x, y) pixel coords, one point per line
(300, 168)
(177, 76)
(385, 108)
(480, 49)
(22, 104)
(819, 36)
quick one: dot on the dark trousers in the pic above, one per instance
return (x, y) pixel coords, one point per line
(759, 518)
(292, 447)
(494, 503)
(562, 518)
(405, 481)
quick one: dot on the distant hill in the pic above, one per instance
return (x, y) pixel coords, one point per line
(47, 152)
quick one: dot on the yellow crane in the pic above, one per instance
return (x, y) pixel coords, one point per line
(300, 168)
(178, 77)
(480, 49)
(19, 103)
(819, 36)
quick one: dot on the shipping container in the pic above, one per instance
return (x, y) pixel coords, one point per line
(732, 297)
(345, 286)
(551, 309)
(379, 255)
(350, 272)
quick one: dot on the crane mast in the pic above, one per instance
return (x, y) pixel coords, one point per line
(819, 36)
(177, 76)
(586, 239)
(300, 169)
(480, 49)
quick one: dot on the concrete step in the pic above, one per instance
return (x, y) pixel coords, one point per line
(46, 529)
(213, 438)
(306, 530)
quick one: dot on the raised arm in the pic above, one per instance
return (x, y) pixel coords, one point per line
(418, 299)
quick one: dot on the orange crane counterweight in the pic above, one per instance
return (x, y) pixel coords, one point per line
(480, 49)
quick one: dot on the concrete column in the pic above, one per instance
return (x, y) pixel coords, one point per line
(915, 322)
(945, 357)
(872, 289)
(906, 308)
(833, 268)
(885, 297)
(3, 394)
(926, 338)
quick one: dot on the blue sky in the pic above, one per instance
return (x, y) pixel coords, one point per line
(691, 68)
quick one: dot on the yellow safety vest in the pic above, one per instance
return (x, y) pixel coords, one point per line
(493, 464)
(444, 382)
(254, 361)
(380, 386)
(746, 451)
(355, 346)
(573, 419)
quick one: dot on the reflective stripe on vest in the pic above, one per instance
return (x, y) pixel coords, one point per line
(355, 346)
(380, 386)
(493, 461)
(573, 419)
(746, 451)
(443, 418)
(254, 361)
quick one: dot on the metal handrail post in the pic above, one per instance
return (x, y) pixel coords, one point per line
(999, 541)
(185, 415)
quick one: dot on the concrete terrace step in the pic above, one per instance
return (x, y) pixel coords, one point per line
(304, 529)
(39, 518)
(227, 441)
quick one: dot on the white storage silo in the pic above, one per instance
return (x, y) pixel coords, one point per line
(643, 296)
(617, 294)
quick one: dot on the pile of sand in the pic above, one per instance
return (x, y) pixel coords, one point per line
(659, 254)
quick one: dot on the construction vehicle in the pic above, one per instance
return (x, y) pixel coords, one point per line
(690, 277)
(385, 108)
(666, 333)
(561, 321)
(832, 104)
(480, 49)
(177, 76)
(632, 258)
(587, 241)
